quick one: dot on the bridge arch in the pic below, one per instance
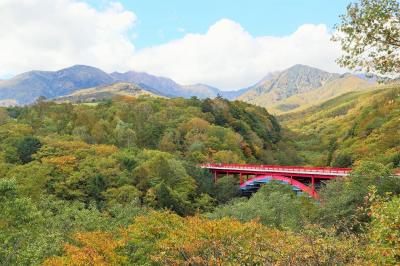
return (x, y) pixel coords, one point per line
(289, 181)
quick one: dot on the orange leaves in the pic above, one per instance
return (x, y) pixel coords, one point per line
(94, 248)
(125, 98)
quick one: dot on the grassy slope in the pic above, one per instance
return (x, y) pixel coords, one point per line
(365, 125)
(305, 100)
(106, 92)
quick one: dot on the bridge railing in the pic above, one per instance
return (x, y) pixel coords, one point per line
(277, 168)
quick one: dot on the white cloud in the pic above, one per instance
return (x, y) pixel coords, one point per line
(51, 34)
(228, 57)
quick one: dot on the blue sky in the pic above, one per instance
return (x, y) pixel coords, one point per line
(160, 21)
(225, 44)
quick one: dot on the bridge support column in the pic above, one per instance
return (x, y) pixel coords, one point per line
(313, 185)
(241, 179)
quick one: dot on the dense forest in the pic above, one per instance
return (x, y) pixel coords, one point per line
(117, 182)
(353, 127)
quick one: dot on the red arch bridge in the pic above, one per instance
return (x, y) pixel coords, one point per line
(302, 179)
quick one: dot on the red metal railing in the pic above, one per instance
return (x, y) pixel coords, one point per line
(327, 170)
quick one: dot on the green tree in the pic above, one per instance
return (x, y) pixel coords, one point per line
(4, 117)
(343, 200)
(343, 159)
(226, 188)
(164, 181)
(369, 34)
(24, 239)
(26, 147)
(273, 204)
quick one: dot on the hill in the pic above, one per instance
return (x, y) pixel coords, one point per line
(157, 85)
(349, 128)
(299, 87)
(105, 92)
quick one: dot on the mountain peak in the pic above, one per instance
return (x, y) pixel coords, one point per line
(81, 68)
(300, 68)
(300, 81)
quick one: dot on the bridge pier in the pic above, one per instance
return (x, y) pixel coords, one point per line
(313, 186)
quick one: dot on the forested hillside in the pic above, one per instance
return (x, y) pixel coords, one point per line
(350, 128)
(134, 147)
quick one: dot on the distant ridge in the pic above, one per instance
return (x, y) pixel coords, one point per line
(283, 91)
(26, 87)
(300, 86)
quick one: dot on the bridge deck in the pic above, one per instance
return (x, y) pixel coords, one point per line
(266, 169)
(307, 179)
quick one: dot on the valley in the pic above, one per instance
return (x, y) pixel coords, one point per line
(198, 134)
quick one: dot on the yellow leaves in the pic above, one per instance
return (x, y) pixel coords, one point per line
(153, 226)
(196, 125)
(95, 248)
(64, 163)
(204, 242)
(61, 161)
(105, 150)
(224, 156)
(72, 145)
(15, 130)
(168, 239)
(384, 231)
(66, 155)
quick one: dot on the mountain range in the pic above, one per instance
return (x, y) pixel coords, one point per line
(27, 87)
(289, 90)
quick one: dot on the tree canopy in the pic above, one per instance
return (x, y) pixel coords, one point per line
(369, 34)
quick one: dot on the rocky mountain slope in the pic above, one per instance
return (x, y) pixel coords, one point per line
(301, 86)
(26, 87)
